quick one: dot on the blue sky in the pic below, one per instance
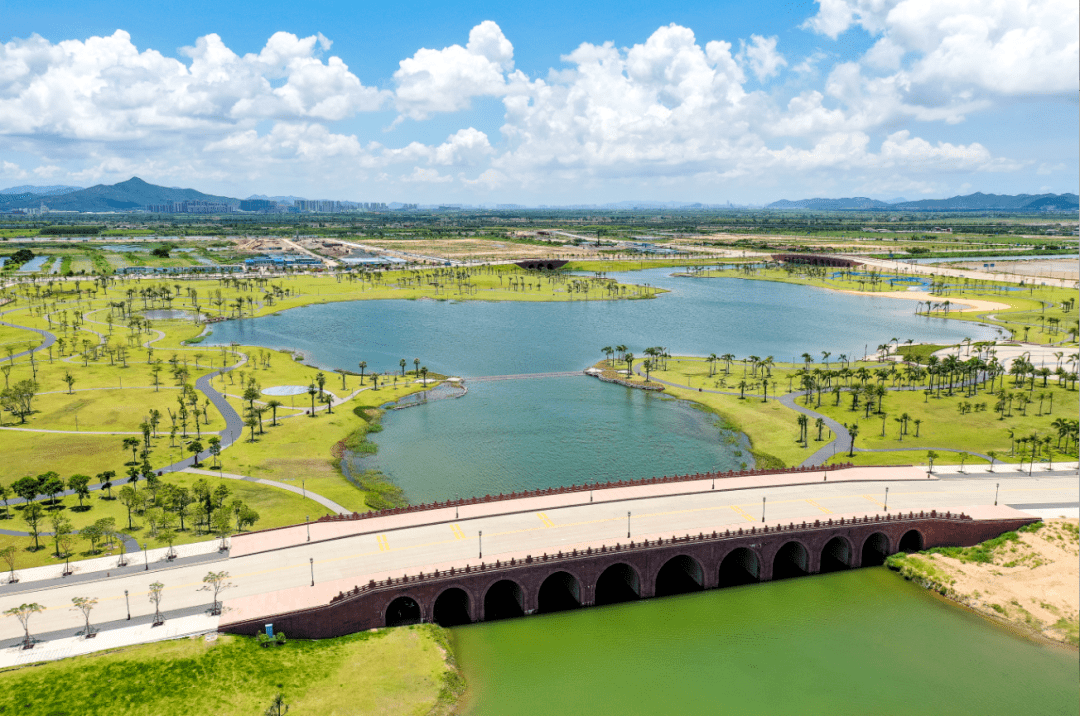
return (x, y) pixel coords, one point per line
(555, 103)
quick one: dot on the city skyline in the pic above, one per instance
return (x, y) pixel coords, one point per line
(484, 105)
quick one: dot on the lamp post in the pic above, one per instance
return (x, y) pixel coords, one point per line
(311, 562)
(628, 524)
(996, 488)
(307, 524)
(762, 509)
(886, 499)
(480, 543)
(303, 486)
(146, 558)
(128, 602)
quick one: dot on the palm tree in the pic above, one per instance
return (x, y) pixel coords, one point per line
(402, 364)
(312, 391)
(416, 362)
(629, 358)
(825, 355)
(647, 365)
(727, 358)
(424, 372)
(363, 366)
(133, 445)
(742, 389)
(273, 405)
(607, 351)
(803, 421)
(321, 380)
(853, 430)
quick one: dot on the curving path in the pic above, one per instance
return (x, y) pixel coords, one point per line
(840, 443)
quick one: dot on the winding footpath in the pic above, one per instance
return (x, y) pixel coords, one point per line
(839, 444)
(234, 429)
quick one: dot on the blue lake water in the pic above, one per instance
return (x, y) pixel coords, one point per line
(700, 316)
(514, 435)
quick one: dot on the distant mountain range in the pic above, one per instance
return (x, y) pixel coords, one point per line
(40, 190)
(971, 202)
(125, 196)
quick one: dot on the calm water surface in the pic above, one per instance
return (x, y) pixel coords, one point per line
(700, 316)
(515, 435)
(858, 643)
(528, 434)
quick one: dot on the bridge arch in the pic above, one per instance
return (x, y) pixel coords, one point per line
(503, 600)
(912, 541)
(740, 566)
(836, 555)
(679, 575)
(558, 592)
(875, 549)
(451, 608)
(791, 560)
(618, 582)
(402, 611)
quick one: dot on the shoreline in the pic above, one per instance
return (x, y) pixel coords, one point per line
(1023, 581)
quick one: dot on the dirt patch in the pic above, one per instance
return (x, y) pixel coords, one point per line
(1028, 578)
(1047, 268)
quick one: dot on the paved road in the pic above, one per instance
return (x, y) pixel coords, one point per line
(443, 540)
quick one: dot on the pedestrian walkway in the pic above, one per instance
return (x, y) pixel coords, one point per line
(63, 648)
(328, 504)
(153, 558)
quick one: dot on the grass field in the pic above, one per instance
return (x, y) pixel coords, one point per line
(406, 670)
(276, 508)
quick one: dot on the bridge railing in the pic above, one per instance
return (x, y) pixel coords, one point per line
(547, 491)
(514, 563)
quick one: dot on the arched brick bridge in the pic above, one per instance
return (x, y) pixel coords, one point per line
(622, 572)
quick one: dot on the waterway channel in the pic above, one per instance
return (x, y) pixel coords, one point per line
(859, 642)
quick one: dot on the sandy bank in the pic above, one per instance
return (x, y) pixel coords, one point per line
(1029, 578)
(955, 304)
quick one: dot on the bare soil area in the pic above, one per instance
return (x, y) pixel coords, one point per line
(1029, 578)
(1046, 268)
(480, 249)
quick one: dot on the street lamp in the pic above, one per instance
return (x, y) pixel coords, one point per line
(996, 488)
(311, 562)
(128, 601)
(628, 524)
(480, 543)
(762, 509)
(146, 558)
(308, 525)
(886, 499)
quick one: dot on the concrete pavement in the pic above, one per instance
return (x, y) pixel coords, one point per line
(406, 544)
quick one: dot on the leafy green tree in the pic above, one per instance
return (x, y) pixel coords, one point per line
(18, 399)
(931, 456)
(61, 528)
(81, 486)
(215, 449)
(129, 499)
(28, 488)
(5, 495)
(51, 485)
(32, 514)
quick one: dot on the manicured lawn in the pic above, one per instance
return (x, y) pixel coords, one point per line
(276, 508)
(392, 671)
(944, 426)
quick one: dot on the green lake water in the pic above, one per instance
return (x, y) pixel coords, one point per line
(860, 642)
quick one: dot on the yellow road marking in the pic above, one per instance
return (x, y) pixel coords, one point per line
(828, 512)
(739, 511)
(876, 502)
(384, 544)
(544, 518)
(456, 529)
